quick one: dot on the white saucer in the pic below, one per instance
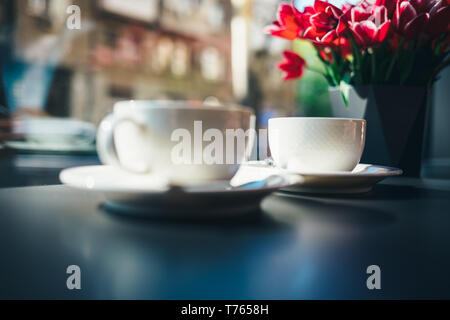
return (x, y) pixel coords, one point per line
(360, 180)
(149, 195)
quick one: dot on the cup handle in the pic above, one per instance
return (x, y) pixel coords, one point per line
(106, 147)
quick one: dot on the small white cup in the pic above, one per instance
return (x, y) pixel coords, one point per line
(145, 137)
(304, 144)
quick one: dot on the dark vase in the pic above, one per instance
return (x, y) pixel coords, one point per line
(396, 117)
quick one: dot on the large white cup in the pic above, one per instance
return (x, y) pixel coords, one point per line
(176, 139)
(305, 144)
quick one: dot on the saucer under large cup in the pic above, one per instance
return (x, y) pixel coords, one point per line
(149, 195)
(360, 180)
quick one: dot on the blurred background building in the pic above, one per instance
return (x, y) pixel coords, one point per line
(140, 49)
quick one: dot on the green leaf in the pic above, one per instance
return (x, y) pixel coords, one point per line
(344, 88)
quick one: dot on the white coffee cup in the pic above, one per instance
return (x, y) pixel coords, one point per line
(175, 139)
(306, 144)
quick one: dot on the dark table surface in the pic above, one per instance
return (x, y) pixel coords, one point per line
(295, 247)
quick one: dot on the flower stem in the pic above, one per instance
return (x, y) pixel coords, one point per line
(356, 60)
(332, 76)
(328, 74)
(372, 60)
(439, 42)
(394, 59)
(315, 70)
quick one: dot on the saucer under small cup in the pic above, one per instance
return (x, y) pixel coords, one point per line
(360, 180)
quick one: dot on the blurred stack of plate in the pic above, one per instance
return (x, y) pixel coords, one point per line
(54, 135)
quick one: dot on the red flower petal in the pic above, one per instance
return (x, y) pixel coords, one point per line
(422, 5)
(366, 32)
(359, 14)
(293, 66)
(383, 30)
(413, 28)
(320, 5)
(311, 33)
(322, 23)
(292, 56)
(329, 37)
(405, 12)
(287, 26)
(358, 37)
(333, 11)
(439, 21)
(342, 25)
(309, 9)
(388, 4)
(380, 14)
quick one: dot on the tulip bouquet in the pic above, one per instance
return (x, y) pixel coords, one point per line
(392, 42)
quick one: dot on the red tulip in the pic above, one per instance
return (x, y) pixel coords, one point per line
(407, 21)
(368, 34)
(414, 17)
(324, 22)
(293, 66)
(289, 25)
(369, 25)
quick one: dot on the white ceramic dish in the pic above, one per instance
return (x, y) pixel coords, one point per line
(149, 195)
(360, 180)
(57, 131)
